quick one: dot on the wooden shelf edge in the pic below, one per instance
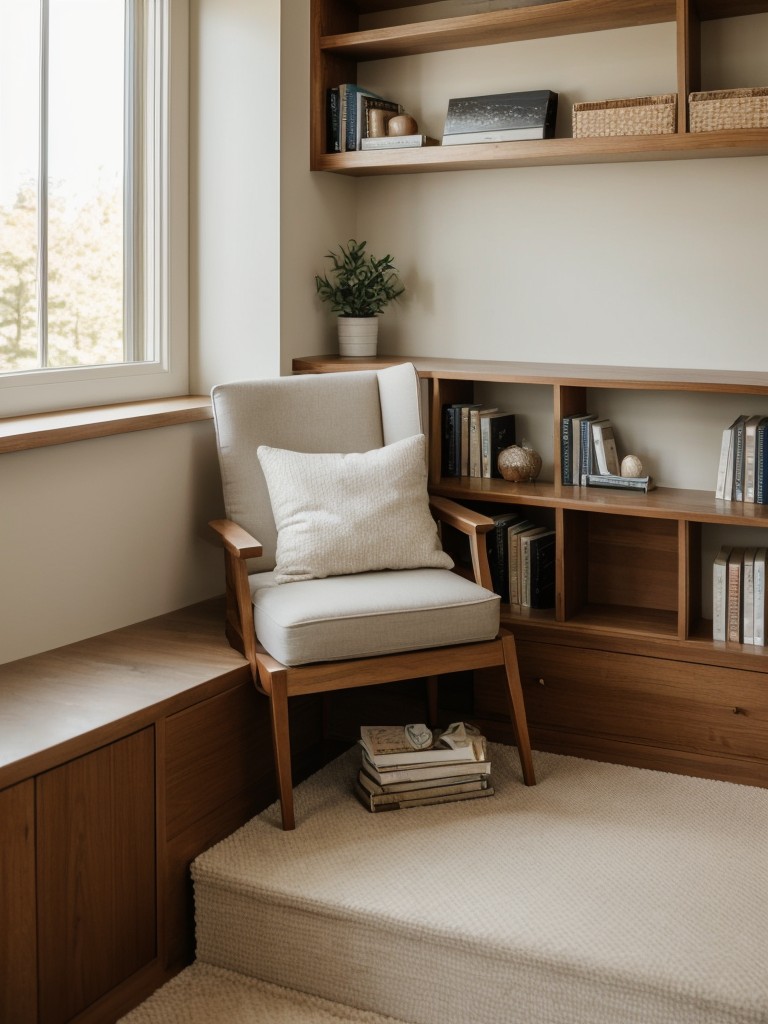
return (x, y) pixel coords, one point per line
(549, 152)
(20, 433)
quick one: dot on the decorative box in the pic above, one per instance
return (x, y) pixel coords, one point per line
(728, 108)
(642, 115)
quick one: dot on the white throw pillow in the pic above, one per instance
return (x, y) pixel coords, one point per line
(341, 514)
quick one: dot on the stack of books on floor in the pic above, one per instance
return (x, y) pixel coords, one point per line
(411, 766)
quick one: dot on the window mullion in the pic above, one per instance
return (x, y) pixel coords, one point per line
(42, 190)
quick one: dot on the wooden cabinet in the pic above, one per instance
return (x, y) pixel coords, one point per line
(341, 43)
(121, 759)
(631, 671)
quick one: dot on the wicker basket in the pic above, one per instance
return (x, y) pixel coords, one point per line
(728, 108)
(643, 115)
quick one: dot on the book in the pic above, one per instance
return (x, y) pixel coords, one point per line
(502, 117)
(398, 142)
(606, 455)
(750, 453)
(370, 802)
(729, 491)
(367, 781)
(497, 432)
(391, 775)
(497, 548)
(738, 458)
(582, 439)
(451, 452)
(759, 610)
(761, 463)
(416, 744)
(625, 483)
(539, 589)
(475, 441)
(333, 120)
(366, 102)
(349, 94)
(726, 449)
(566, 450)
(515, 556)
(733, 606)
(466, 409)
(393, 795)
(720, 595)
(748, 598)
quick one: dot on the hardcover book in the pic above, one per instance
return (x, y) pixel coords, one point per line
(497, 432)
(503, 117)
(720, 595)
(372, 803)
(398, 142)
(606, 455)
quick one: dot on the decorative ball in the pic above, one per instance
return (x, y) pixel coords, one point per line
(631, 466)
(402, 124)
(519, 464)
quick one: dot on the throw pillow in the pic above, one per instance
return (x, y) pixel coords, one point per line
(361, 512)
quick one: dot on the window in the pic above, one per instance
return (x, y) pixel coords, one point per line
(92, 237)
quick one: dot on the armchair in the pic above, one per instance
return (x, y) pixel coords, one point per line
(406, 615)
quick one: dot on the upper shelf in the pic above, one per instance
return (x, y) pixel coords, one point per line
(706, 9)
(540, 153)
(562, 17)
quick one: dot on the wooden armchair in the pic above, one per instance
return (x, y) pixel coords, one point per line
(314, 635)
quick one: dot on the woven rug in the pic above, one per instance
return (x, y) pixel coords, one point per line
(603, 895)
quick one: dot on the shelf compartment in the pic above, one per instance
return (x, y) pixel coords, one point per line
(568, 17)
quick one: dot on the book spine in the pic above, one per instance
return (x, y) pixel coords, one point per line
(485, 447)
(761, 465)
(720, 595)
(542, 586)
(333, 144)
(450, 435)
(748, 598)
(734, 595)
(738, 461)
(586, 451)
(566, 465)
(750, 446)
(474, 443)
(759, 609)
(722, 469)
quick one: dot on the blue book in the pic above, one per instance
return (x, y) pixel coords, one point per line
(761, 463)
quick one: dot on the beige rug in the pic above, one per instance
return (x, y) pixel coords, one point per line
(208, 995)
(604, 895)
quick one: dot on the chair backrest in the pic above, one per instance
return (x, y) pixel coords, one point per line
(335, 412)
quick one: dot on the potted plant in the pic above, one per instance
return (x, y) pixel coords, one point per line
(359, 288)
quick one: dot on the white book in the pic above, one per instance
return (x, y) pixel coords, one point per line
(748, 611)
(720, 595)
(606, 454)
(722, 469)
(759, 597)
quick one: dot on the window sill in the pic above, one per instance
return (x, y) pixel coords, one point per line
(19, 433)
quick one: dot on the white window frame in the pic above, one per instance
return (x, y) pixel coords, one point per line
(158, 236)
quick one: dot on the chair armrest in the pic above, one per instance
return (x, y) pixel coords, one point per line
(475, 525)
(237, 541)
(466, 520)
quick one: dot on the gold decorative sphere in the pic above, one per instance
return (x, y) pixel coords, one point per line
(519, 464)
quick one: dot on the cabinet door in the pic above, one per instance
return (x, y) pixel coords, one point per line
(95, 874)
(18, 953)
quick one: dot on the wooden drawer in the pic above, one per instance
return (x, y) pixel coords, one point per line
(665, 714)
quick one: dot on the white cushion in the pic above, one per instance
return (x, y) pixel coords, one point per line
(338, 514)
(369, 614)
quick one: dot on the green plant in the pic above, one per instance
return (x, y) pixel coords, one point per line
(361, 285)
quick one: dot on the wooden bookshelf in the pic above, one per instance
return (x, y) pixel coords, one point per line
(340, 46)
(628, 581)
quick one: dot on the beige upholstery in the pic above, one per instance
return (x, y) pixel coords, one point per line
(317, 634)
(369, 614)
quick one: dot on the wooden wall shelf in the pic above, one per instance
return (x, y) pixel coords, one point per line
(340, 44)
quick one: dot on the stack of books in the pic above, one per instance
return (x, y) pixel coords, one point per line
(589, 456)
(348, 108)
(411, 766)
(473, 436)
(738, 596)
(521, 557)
(742, 473)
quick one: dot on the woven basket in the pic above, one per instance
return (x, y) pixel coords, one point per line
(728, 108)
(643, 115)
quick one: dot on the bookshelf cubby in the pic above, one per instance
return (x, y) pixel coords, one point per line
(631, 627)
(341, 43)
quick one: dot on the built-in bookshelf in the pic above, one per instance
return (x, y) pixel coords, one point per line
(341, 44)
(624, 666)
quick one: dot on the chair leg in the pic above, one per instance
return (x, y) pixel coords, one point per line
(432, 683)
(517, 709)
(281, 741)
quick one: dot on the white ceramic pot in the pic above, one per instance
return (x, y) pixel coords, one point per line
(358, 335)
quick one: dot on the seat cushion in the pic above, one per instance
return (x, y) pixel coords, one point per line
(341, 513)
(367, 614)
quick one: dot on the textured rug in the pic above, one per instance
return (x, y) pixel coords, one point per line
(603, 895)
